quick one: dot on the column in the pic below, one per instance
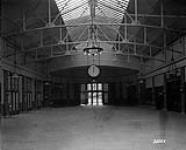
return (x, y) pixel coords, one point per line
(2, 91)
(33, 94)
(140, 90)
(68, 94)
(165, 92)
(182, 91)
(153, 91)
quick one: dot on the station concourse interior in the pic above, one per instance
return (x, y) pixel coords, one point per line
(92, 75)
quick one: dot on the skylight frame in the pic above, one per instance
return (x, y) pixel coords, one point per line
(70, 8)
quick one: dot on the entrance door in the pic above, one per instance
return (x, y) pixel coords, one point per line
(95, 94)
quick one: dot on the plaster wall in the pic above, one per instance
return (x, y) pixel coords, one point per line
(106, 59)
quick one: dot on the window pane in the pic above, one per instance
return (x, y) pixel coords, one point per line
(105, 87)
(94, 86)
(89, 98)
(89, 87)
(100, 87)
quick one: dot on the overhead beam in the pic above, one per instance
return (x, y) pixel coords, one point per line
(162, 13)
(49, 12)
(159, 16)
(136, 11)
(109, 42)
(88, 24)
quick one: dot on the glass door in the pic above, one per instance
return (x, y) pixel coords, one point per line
(95, 94)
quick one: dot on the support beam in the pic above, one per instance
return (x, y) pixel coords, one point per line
(88, 24)
(136, 11)
(182, 90)
(184, 45)
(49, 12)
(60, 34)
(150, 51)
(162, 13)
(165, 93)
(79, 42)
(1, 17)
(164, 46)
(125, 27)
(84, 31)
(23, 21)
(135, 48)
(41, 39)
(105, 35)
(153, 90)
(159, 16)
(128, 55)
(145, 35)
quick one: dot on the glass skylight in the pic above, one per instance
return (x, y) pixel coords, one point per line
(79, 11)
(74, 9)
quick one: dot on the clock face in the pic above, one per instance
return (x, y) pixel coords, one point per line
(93, 71)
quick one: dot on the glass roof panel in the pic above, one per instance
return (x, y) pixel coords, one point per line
(113, 10)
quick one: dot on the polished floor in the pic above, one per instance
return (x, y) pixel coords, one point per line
(86, 128)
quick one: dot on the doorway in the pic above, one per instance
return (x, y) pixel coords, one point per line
(95, 94)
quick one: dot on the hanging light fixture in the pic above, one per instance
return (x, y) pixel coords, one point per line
(93, 47)
(93, 51)
(173, 71)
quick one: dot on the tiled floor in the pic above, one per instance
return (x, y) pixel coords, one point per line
(104, 128)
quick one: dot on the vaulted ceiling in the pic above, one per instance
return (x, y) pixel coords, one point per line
(45, 29)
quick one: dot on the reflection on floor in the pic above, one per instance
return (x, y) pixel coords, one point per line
(93, 128)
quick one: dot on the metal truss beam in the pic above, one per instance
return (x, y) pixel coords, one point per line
(96, 23)
(159, 16)
(36, 49)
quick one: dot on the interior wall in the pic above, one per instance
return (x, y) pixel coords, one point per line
(118, 93)
(22, 71)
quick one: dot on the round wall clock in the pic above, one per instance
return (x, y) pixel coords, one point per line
(93, 71)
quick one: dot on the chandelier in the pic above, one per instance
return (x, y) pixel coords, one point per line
(93, 46)
(94, 50)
